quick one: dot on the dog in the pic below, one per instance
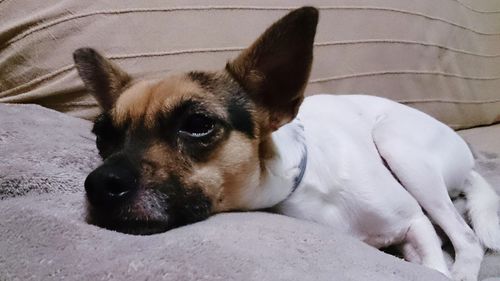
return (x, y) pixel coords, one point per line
(178, 149)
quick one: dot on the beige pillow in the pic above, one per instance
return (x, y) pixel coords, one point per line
(440, 56)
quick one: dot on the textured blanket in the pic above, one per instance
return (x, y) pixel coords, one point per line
(44, 158)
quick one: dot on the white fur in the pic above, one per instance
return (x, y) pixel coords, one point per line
(482, 206)
(281, 170)
(348, 186)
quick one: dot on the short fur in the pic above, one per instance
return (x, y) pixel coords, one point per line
(181, 148)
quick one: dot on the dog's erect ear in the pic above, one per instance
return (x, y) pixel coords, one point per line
(102, 78)
(274, 70)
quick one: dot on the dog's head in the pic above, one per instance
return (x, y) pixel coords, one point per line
(180, 148)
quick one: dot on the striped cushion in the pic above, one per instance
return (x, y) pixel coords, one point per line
(440, 56)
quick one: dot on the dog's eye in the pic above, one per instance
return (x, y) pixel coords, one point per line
(197, 126)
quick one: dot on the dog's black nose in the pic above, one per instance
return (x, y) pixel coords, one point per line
(110, 184)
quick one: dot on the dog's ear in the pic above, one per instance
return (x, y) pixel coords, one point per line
(102, 78)
(274, 70)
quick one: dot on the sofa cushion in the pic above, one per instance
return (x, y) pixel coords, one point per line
(439, 56)
(485, 144)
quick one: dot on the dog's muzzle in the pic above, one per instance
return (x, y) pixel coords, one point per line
(117, 200)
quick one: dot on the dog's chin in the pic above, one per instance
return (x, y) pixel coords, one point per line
(135, 227)
(128, 222)
(129, 225)
(147, 213)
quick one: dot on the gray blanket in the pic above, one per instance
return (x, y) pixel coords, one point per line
(45, 157)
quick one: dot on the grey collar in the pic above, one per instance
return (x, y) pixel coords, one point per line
(285, 171)
(302, 169)
(302, 166)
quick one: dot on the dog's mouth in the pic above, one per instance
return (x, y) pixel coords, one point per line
(137, 217)
(128, 221)
(140, 217)
(149, 210)
(134, 227)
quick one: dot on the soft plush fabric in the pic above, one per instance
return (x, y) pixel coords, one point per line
(47, 240)
(43, 151)
(44, 236)
(441, 56)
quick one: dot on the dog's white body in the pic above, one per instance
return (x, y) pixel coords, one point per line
(372, 166)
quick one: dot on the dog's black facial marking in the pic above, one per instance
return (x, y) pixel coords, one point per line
(109, 138)
(204, 79)
(184, 128)
(192, 206)
(238, 103)
(239, 114)
(186, 204)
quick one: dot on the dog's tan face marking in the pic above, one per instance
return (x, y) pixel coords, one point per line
(221, 174)
(145, 100)
(232, 168)
(150, 117)
(180, 148)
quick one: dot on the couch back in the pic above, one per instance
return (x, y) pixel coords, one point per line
(440, 56)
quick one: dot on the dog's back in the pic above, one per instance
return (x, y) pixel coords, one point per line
(368, 121)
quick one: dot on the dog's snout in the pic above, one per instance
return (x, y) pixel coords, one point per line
(109, 185)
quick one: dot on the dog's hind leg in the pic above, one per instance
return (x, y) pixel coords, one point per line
(423, 246)
(419, 173)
